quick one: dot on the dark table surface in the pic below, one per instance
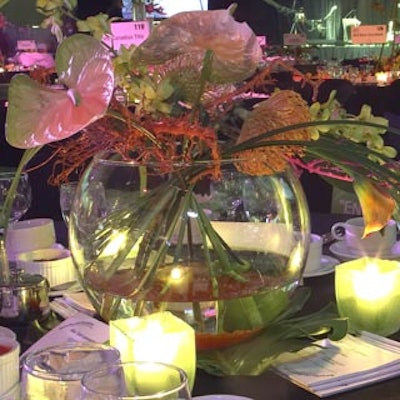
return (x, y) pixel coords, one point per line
(270, 386)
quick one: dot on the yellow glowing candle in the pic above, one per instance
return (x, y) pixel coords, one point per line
(368, 292)
(381, 78)
(158, 337)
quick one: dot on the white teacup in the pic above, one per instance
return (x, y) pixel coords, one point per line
(9, 364)
(30, 234)
(352, 230)
(313, 261)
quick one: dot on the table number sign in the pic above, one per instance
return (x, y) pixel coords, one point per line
(344, 202)
(294, 39)
(26, 45)
(368, 34)
(127, 33)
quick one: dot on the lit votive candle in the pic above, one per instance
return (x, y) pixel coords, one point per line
(159, 337)
(368, 293)
(381, 78)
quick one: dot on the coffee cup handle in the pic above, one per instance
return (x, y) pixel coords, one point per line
(338, 231)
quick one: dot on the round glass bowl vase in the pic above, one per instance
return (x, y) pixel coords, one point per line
(224, 254)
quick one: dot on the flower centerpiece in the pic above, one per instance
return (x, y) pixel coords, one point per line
(175, 110)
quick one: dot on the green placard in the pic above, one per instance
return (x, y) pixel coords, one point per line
(344, 202)
(22, 12)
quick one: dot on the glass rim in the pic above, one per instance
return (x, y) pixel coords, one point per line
(29, 361)
(105, 157)
(110, 367)
(12, 174)
(71, 185)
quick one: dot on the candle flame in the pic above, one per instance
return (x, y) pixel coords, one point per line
(176, 273)
(372, 284)
(117, 241)
(149, 346)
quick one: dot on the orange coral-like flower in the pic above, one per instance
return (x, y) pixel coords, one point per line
(170, 142)
(283, 108)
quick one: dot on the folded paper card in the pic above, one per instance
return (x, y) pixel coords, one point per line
(328, 367)
(78, 328)
(71, 303)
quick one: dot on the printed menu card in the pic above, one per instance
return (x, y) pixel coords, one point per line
(330, 367)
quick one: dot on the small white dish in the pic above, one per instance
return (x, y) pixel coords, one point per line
(221, 397)
(345, 253)
(13, 256)
(327, 266)
(30, 234)
(54, 264)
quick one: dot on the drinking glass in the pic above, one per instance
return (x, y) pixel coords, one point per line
(67, 193)
(23, 195)
(55, 372)
(137, 380)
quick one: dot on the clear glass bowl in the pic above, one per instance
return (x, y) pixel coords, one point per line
(223, 254)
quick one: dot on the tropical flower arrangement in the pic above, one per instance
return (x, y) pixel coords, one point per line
(182, 96)
(193, 87)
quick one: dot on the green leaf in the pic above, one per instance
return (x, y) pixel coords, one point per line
(257, 354)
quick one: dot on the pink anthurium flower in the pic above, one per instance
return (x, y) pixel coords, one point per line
(236, 52)
(38, 114)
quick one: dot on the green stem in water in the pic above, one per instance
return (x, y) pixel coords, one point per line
(185, 224)
(143, 179)
(229, 263)
(204, 78)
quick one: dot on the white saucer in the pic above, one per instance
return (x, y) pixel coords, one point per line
(221, 397)
(327, 266)
(343, 252)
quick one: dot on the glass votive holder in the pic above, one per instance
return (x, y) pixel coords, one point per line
(368, 293)
(136, 380)
(160, 337)
(55, 372)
